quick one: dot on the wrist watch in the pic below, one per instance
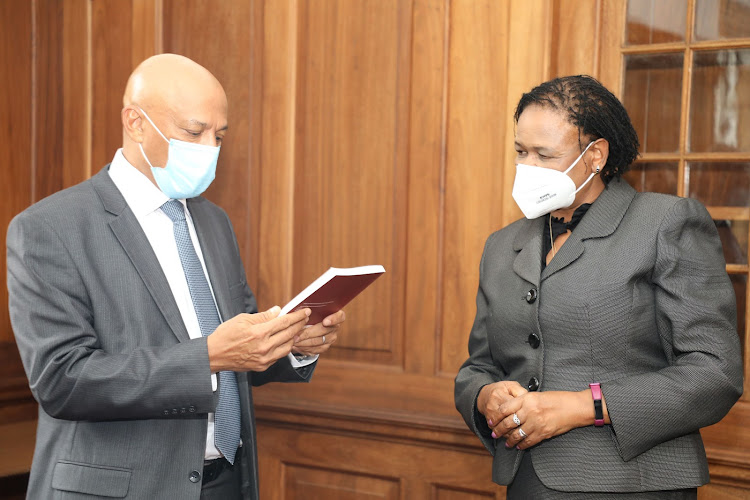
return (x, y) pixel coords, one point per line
(596, 393)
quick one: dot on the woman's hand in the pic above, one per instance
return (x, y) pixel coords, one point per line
(493, 396)
(542, 415)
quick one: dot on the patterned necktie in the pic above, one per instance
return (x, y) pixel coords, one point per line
(227, 418)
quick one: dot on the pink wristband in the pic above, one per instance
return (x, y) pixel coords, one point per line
(596, 393)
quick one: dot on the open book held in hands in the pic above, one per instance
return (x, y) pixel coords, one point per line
(333, 290)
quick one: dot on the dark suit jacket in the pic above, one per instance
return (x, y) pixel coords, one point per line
(123, 390)
(638, 299)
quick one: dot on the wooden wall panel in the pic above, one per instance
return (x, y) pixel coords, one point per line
(76, 112)
(421, 470)
(349, 169)
(111, 41)
(230, 63)
(277, 59)
(474, 187)
(360, 132)
(448, 493)
(16, 59)
(47, 106)
(426, 195)
(575, 29)
(316, 483)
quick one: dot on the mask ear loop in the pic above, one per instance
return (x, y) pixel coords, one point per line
(140, 145)
(579, 158)
(157, 128)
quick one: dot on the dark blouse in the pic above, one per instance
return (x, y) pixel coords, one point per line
(559, 226)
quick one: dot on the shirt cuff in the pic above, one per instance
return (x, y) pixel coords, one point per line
(302, 361)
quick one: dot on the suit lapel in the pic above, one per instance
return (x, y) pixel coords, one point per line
(129, 233)
(528, 244)
(601, 220)
(205, 229)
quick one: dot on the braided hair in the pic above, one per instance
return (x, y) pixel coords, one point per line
(595, 112)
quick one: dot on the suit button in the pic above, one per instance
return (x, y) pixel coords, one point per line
(533, 340)
(533, 384)
(191, 409)
(183, 410)
(195, 476)
(531, 296)
(174, 411)
(166, 412)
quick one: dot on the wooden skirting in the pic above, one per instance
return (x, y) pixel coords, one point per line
(295, 442)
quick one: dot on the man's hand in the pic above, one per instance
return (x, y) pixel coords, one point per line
(317, 339)
(253, 342)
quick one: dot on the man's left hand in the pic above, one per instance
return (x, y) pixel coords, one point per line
(317, 339)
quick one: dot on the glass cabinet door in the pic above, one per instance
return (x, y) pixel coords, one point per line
(685, 80)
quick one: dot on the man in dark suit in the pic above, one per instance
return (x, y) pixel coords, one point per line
(137, 329)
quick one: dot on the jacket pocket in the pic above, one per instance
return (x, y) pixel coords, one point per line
(100, 480)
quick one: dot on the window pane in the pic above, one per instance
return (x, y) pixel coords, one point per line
(652, 98)
(658, 177)
(733, 234)
(716, 19)
(720, 101)
(725, 184)
(655, 21)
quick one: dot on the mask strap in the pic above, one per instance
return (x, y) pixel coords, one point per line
(144, 155)
(586, 182)
(163, 137)
(574, 163)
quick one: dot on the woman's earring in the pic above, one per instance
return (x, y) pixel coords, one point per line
(597, 169)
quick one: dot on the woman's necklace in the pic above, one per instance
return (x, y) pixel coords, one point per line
(551, 239)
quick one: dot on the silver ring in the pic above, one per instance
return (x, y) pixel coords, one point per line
(516, 420)
(324, 339)
(523, 434)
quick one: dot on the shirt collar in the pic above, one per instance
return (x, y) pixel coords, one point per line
(141, 195)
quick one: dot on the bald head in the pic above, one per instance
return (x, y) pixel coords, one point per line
(167, 80)
(184, 101)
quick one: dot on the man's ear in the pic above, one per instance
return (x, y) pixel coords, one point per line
(132, 123)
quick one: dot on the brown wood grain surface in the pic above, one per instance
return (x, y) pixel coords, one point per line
(360, 132)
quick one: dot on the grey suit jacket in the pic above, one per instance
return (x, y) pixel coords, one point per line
(123, 391)
(638, 299)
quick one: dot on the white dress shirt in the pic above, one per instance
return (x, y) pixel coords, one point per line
(145, 201)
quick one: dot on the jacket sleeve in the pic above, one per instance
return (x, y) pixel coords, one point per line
(479, 370)
(70, 375)
(696, 322)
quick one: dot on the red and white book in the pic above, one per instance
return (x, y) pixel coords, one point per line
(333, 290)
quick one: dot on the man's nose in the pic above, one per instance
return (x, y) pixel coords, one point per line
(209, 139)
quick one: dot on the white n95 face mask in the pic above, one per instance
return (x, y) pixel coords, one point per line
(539, 191)
(190, 167)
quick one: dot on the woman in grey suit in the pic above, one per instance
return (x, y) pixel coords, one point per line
(605, 334)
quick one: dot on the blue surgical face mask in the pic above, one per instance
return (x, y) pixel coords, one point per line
(190, 167)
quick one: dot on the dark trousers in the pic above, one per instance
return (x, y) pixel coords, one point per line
(527, 486)
(227, 486)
